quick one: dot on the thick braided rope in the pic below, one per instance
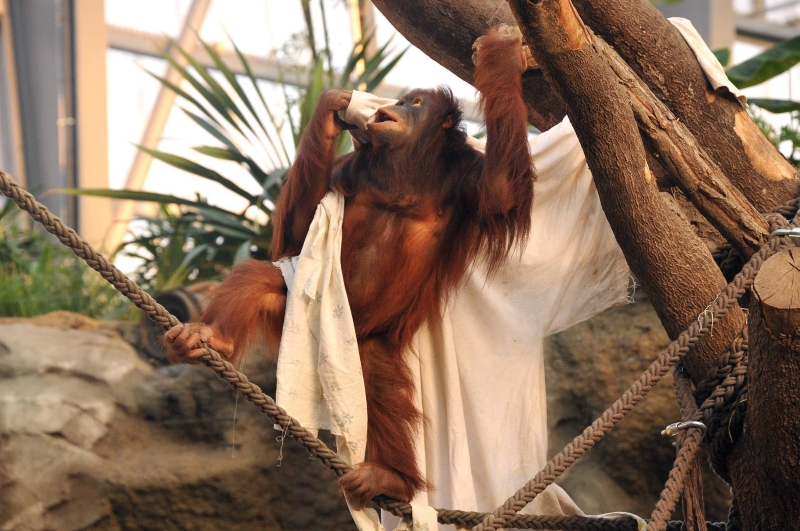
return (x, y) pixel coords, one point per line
(722, 443)
(254, 394)
(611, 416)
(265, 404)
(688, 444)
(722, 410)
(160, 315)
(726, 363)
(734, 518)
(674, 486)
(728, 258)
(729, 388)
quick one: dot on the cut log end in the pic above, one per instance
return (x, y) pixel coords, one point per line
(777, 288)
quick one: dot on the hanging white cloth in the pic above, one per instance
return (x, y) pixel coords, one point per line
(320, 382)
(479, 371)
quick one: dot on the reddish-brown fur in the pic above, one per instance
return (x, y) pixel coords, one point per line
(417, 214)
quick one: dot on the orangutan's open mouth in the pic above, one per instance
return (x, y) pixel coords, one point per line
(384, 116)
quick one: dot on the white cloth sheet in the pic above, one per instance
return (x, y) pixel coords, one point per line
(708, 61)
(320, 382)
(479, 371)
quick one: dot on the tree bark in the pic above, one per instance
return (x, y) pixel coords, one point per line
(674, 267)
(445, 31)
(695, 172)
(663, 60)
(662, 250)
(765, 463)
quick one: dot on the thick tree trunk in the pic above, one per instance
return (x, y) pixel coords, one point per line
(672, 263)
(765, 463)
(445, 31)
(663, 251)
(664, 61)
(696, 173)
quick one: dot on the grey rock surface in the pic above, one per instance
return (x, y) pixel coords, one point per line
(587, 368)
(94, 438)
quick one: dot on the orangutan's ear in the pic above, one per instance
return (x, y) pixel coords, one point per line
(448, 122)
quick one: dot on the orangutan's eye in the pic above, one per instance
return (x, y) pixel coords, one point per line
(416, 102)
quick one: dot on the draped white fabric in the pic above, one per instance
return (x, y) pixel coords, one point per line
(479, 371)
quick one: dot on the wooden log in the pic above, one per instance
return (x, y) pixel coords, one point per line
(765, 463)
(659, 55)
(777, 288)
(695, 171)
(672, 263)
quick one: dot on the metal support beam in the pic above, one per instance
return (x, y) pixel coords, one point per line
(38, 47)
(761, 30)
(267, 69)
(91, 118)
(11, 152)
(158, 120)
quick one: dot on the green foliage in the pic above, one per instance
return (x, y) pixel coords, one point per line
(176, 249)
(766, 65)
(775, 106)
(39, 275)
(787, 137)
(790, 135)
(723, 56)
(192, 240)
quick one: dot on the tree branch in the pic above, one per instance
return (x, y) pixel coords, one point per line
(672, 263)
(445, 30)
(695, 172)
(663, 60)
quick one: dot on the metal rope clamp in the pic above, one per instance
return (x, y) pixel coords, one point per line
(793, 234)
(673, 429)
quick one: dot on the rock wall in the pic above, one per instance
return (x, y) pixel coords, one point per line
(587, 368)
(94, 438)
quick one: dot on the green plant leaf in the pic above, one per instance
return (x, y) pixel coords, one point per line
(253, 80)
(199, 170)
(134, 195)
(231, 223)
(233, 155)
(215, 131)
(766, 65)
(209, 95)
(377, 78)
(231, 78)
(775, 106)
(219, 92)
(315, 87)
(243, 252)
(185, 95)
(275, 177)
(180, 274)
(8, 206)
(723, 55)
(372, 63)
(221, 153)
(358, 53)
